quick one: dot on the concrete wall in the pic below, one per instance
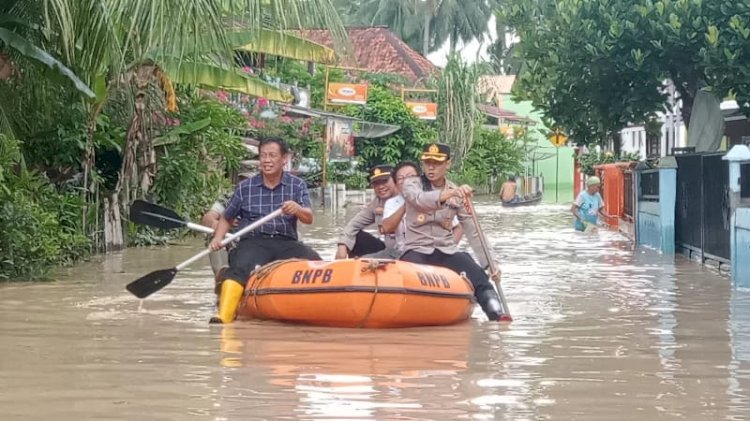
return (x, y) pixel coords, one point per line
(655, 220)
(741, 248)
(649, 224)
(546, 168)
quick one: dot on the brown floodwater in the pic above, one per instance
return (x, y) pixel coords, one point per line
(601, 332)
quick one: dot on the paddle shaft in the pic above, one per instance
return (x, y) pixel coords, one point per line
(488, 255)
(203, 229)
(191, 225)
(199, 228)
(231, 237)
(158, 216)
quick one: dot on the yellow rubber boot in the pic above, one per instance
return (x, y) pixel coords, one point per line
(231, 293)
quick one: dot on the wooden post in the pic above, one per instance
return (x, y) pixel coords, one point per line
(324, 164)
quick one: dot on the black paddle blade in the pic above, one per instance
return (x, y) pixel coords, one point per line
(149, 284)
(145, 213)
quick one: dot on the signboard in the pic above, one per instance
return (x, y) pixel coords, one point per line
(347, 93)
(506, 130)
(339, 139)
(558, 138)
(423, 110)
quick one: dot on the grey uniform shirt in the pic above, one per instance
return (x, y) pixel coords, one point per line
(372, 213)
(429, 223)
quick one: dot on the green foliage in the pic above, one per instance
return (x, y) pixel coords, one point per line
(291, 71)
(28, 243)
(342, 172)
(458, 115)
(592, 67)
(490, 154)
(446, 20)
(587, 161)
(304, 136)
(406, 144)
(40, 226)
(193, 163)
(502, 55)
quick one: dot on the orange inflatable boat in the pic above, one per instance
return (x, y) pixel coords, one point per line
(357, 293)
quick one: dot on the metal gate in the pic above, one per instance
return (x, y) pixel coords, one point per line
(716, 209)
(702, 208)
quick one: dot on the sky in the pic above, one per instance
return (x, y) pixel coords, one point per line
(470, 51)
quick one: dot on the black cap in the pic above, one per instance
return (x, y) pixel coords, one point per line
(380, 172)
(436, 152)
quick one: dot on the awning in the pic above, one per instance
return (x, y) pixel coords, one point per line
(363, 129)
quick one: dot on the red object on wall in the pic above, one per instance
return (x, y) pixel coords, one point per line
(613, 190)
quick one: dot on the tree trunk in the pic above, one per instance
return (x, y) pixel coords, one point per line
(137, 170)
(453, 41)
(426, 30)
(113, 240)
(687, 91)
(686, 110)
(90, 188)
(616, 144)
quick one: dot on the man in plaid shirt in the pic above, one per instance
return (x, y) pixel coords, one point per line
(277, 239)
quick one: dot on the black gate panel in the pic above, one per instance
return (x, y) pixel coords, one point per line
(627, 208)
(688, 218)
(716, 210)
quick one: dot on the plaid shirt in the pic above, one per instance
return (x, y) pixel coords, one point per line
(252, 201)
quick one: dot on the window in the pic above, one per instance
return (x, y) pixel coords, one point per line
(652, 146)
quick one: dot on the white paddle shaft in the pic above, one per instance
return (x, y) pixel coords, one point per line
(229, 238)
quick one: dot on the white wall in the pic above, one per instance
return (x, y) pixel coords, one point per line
(634, 139)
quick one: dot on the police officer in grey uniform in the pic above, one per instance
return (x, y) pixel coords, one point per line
(354, 241)
(432, 201)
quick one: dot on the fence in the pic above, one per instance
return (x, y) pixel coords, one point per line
(702, 207)
(629, 196)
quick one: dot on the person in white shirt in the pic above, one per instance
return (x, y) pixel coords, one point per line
(394, 209)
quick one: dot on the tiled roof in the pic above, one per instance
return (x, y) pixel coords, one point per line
(378, 50)
(493, 87)
(502, 114)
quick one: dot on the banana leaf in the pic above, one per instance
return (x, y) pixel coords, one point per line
(32, 52)
(218, 77)
(278, 43)
(282, 44)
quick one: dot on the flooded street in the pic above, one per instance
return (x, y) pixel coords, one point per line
(600, 332)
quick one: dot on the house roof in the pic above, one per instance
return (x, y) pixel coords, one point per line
(378, 50)
(493, 87)
(500, 113)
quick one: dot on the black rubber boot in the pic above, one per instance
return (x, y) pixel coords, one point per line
(490, 303)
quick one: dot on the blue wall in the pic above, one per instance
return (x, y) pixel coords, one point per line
(741, 243)
(656, 219)
(649, 224)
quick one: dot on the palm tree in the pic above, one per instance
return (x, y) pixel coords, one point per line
(400, 16)
(457, 98)
(124, 46)
(423, 24)
(460, 20)
(501, 53)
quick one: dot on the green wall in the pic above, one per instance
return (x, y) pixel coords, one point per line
(547, 167)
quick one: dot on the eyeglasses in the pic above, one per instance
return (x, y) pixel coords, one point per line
(404, 177)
